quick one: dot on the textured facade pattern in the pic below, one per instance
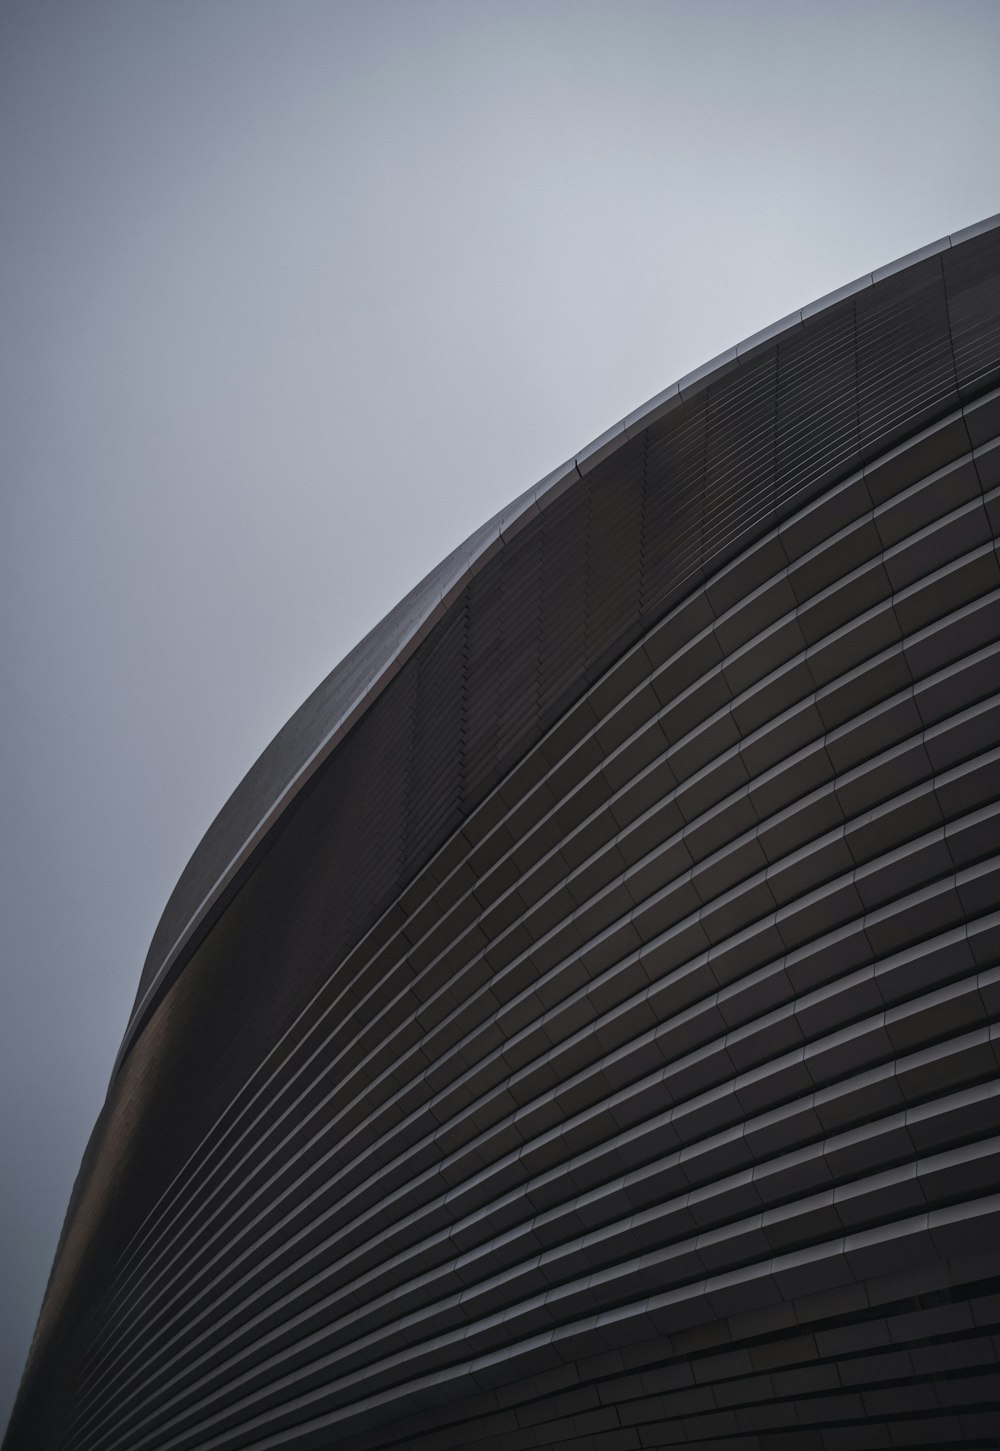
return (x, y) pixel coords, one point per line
(601, 1049)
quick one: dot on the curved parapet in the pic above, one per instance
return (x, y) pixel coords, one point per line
(578, 1029)
(256, 808)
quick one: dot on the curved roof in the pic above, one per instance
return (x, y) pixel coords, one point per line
(259, 805)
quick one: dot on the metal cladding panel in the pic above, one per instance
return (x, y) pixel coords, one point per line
(974, 311)
(906, 369)
(817, 436)
(603, 1052)
(672, 519)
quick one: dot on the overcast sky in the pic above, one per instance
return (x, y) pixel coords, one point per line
(293, 296)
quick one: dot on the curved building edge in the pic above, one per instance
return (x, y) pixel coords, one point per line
(125, 1339)
(224, 856)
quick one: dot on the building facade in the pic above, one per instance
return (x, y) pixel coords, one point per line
(580, 1028)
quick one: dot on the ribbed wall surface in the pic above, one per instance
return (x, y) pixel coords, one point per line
(660, 1106)
(543, 617)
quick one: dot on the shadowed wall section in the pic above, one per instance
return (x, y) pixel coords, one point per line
(596, 1045)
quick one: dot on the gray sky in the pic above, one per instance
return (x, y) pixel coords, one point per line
(293, 296)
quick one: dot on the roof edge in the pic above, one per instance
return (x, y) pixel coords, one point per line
(439, 590)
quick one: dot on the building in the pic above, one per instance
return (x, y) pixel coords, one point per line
(579, 1028)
